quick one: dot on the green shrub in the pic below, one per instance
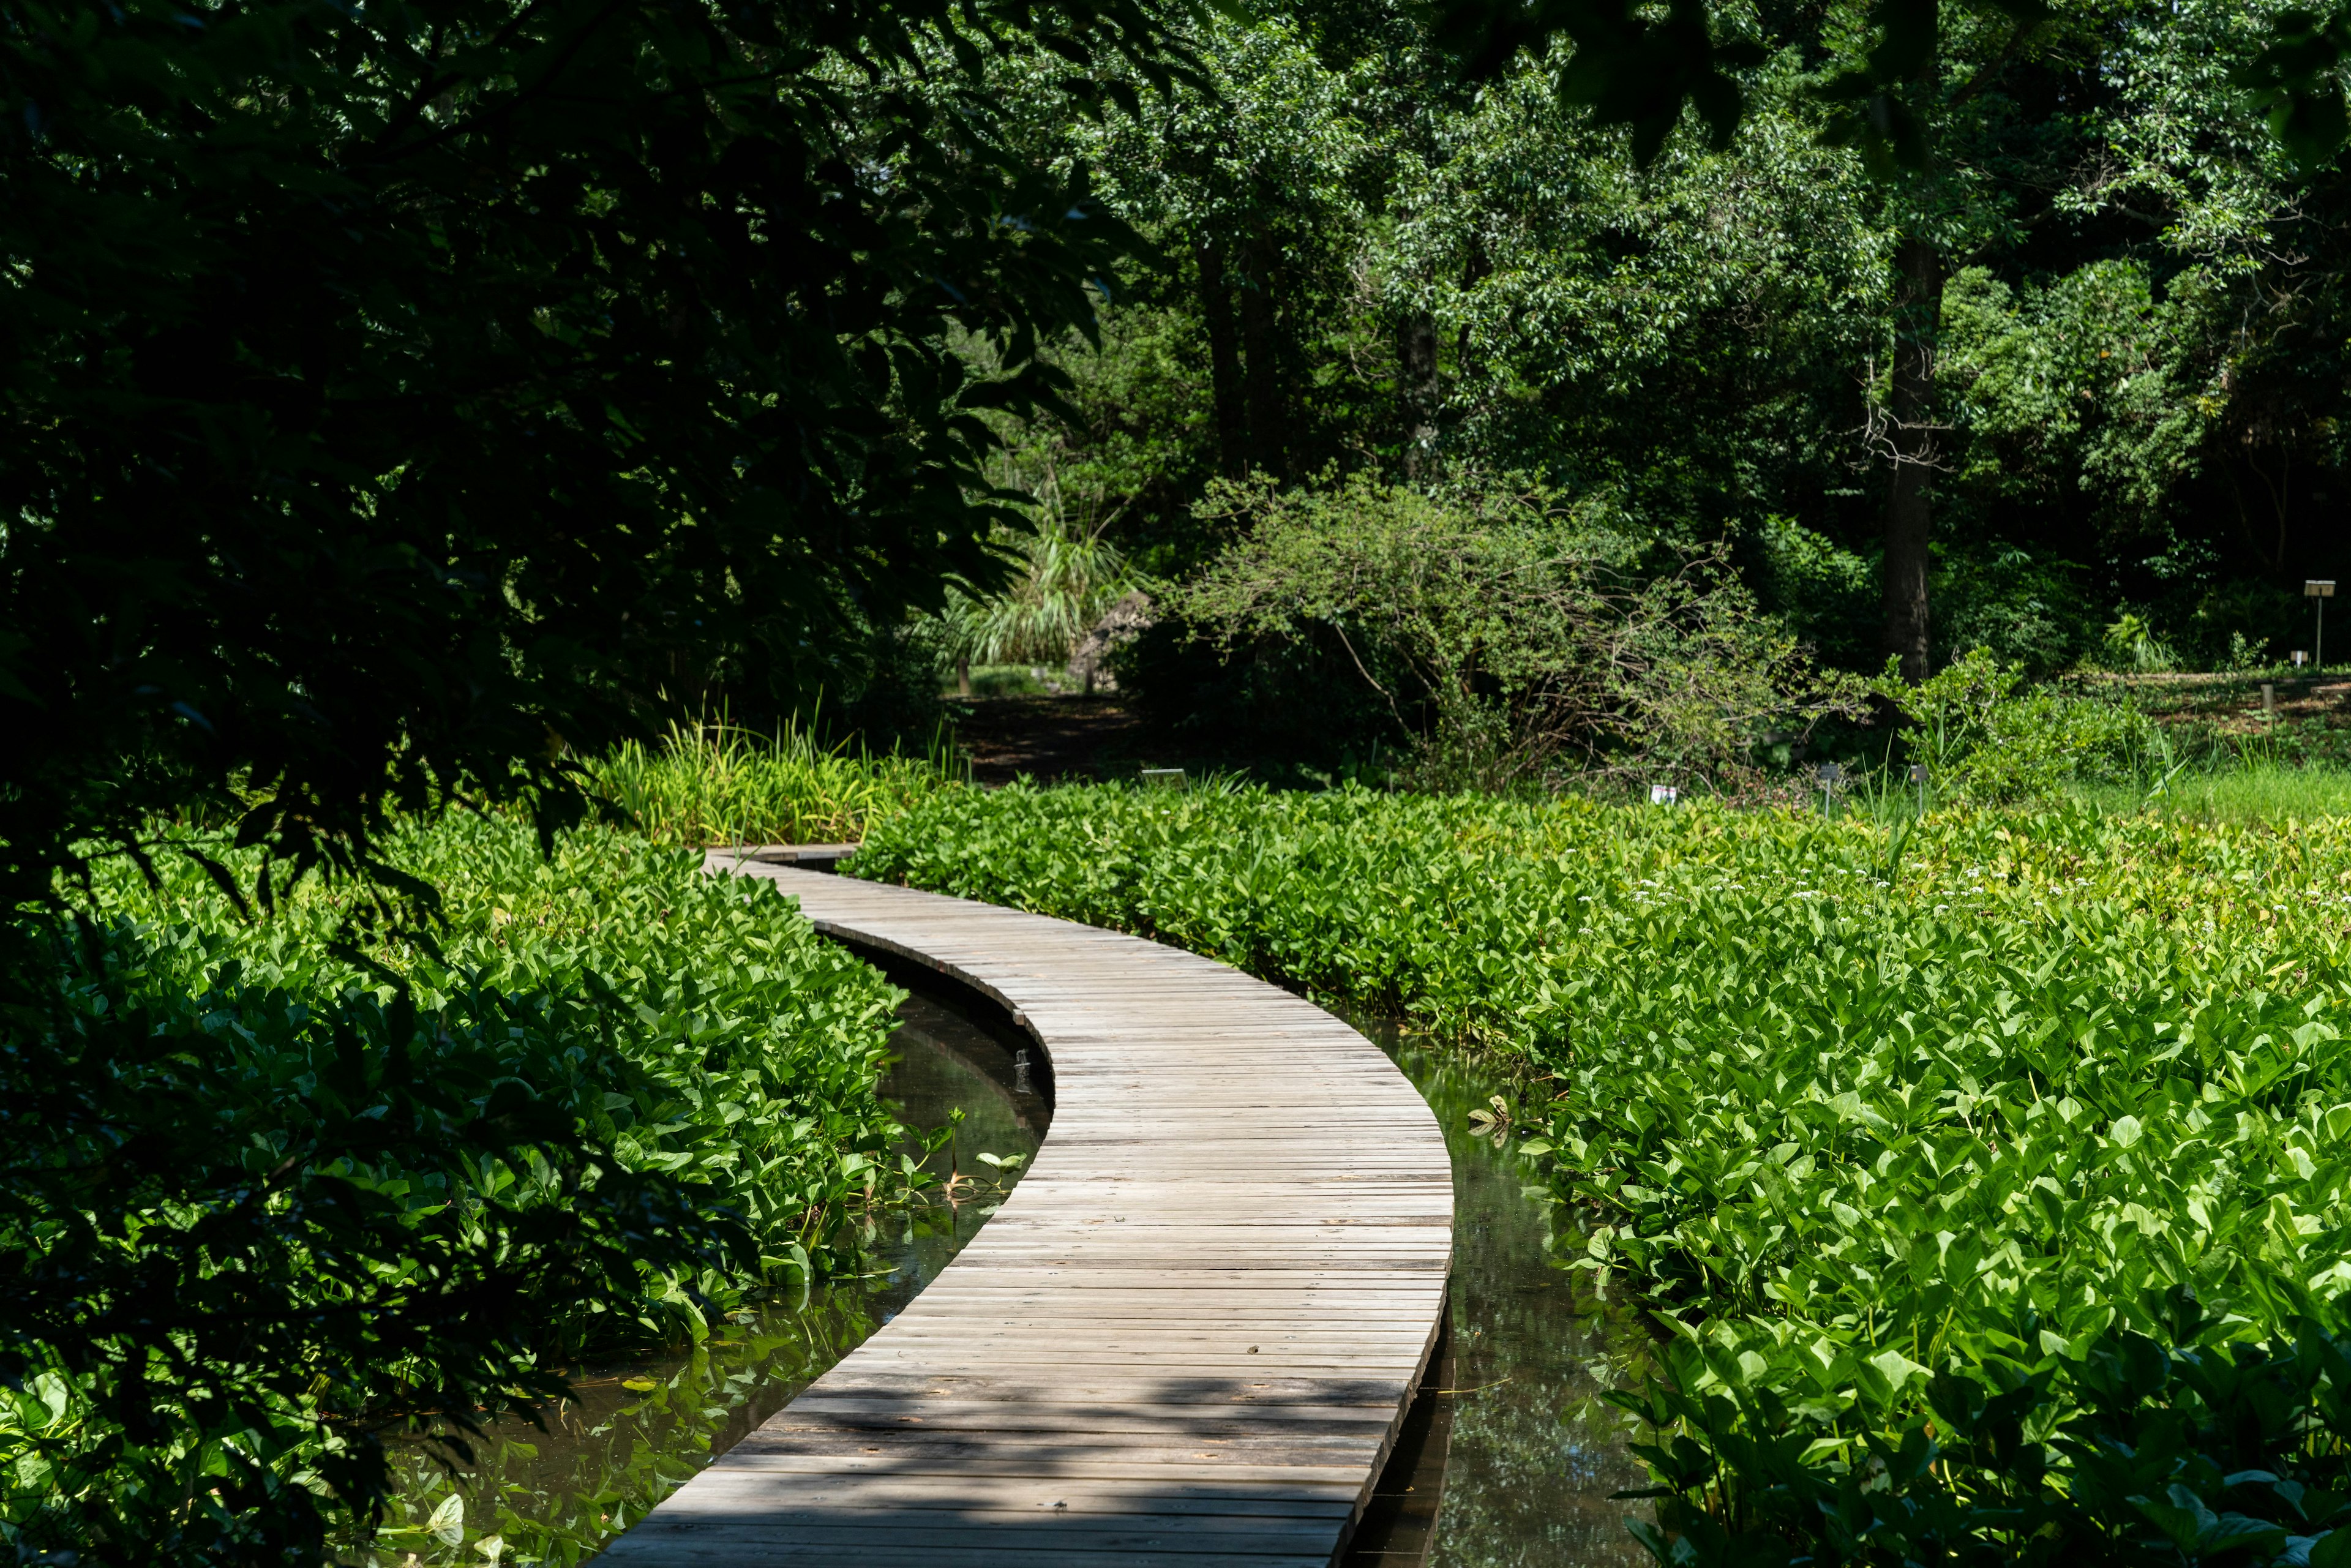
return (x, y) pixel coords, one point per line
(2029, 611)
(2133, 645)
(1826, 595)
(1068, 579)
(1994, 1202)
(276, 1187)
(1512, 637)
(1986, 742)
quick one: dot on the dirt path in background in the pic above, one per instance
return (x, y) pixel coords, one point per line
(1049, 738)
(2232, 702)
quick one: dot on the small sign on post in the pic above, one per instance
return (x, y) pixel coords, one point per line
(1162, 779)
(1663, 794)
(1828, 773)
(1919, 776)
(2321, 588)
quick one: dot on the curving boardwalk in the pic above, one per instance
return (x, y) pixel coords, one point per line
(1187, 1337)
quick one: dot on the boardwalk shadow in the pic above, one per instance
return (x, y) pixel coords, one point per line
(983, 1471)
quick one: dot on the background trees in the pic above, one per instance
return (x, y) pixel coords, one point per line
(2069, 356)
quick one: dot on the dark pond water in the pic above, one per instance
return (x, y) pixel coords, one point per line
(1508, 1460)
(1531, 1454)
(637, 1431)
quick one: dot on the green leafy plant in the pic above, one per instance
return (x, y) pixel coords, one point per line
(2132, 644)
(277, 1190)
(564, 433)
(1984, 739)
(1995, 1208)
(1512, 636)
(2138, 1451)
(1064, 581)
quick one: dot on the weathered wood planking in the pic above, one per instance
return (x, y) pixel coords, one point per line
(1190, 1335)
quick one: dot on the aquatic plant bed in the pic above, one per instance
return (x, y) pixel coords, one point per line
(1985, 1180)
(334, 1181)
(1190, 1333)
(554, 1491)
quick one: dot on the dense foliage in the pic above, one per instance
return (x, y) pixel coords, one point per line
(270, 1197)
(1508, 639)
(1986, 1177)
(399, 402)
(393, 394)
(2078, 347)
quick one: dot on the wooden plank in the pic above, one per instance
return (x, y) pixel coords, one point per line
(1190, 1333)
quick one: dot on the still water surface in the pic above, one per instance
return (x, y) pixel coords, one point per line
(1516, 1457)
(1531, 1455)
(638, 1431)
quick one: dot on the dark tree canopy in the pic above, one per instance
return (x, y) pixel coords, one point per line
(397, 401)
(397, 394)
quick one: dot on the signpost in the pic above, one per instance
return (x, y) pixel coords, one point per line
(1829, 774)
(2321, 588)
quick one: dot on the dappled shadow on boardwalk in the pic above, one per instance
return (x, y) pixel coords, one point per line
(982, 1470)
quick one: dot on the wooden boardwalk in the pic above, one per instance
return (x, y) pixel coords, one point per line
(1189, 1335)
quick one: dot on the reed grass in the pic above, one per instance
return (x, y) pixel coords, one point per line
(715, 783)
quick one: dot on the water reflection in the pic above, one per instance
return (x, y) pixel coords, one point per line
(1530, 1461)
(637, 1431)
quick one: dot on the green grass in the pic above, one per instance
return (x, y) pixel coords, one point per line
(1981, 1173)
(1014, 680)
(712, 784)
(2257, 792)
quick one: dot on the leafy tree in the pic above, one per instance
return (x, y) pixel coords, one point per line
(398, 397)
(1973, 119)
(1258, 184)
(1685, 338)
(2114, 332)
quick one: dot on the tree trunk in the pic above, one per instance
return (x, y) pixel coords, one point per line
(1416, 360)
(1475, 269)
(1224, 360)
(1910, 502)
(1261, 356)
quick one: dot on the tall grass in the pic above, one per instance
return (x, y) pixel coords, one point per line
(718, 783)
(2255, 792)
